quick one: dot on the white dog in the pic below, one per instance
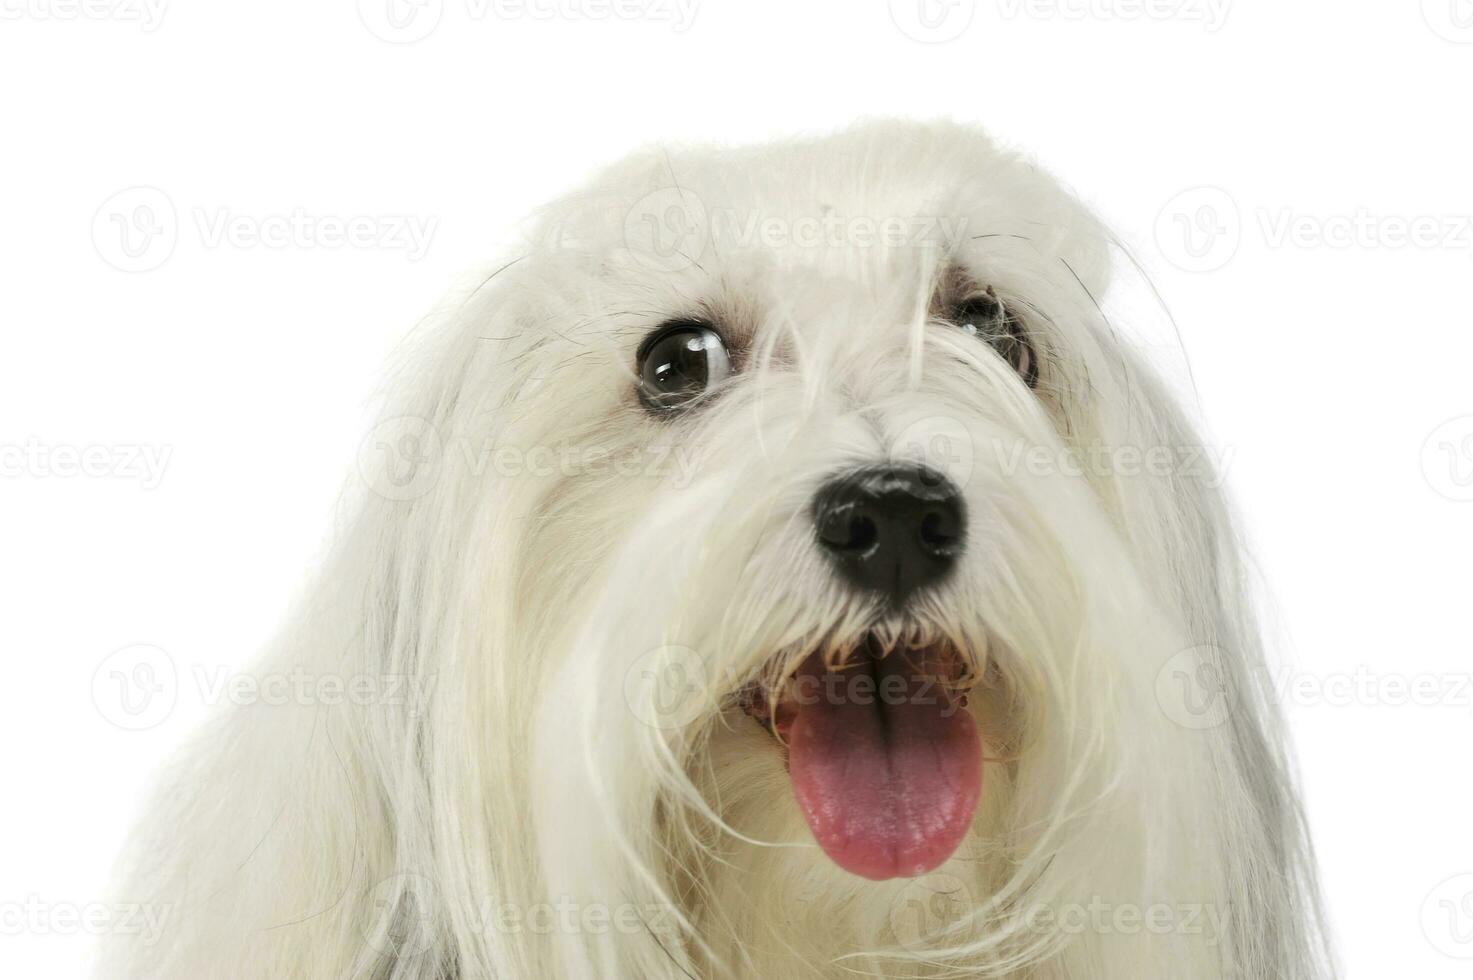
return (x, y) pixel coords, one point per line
(763, 575)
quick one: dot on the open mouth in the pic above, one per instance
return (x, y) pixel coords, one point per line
(885, 760)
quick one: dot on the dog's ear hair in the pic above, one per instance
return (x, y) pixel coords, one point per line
(1199, 557)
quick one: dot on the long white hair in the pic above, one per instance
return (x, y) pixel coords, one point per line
(580, 591)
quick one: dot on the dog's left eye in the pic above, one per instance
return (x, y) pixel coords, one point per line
(679, 362)
(984, 316)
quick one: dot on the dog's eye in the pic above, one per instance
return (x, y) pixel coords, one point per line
(984, 316)
(679, 362)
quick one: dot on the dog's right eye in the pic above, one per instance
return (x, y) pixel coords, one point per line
(984, 316)
(680, 362)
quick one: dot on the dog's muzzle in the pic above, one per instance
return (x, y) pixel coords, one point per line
(891, 530)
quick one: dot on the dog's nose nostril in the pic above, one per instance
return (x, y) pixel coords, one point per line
(849, 532)
(939, 530)
(891, 529)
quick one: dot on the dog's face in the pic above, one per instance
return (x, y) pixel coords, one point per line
(805, 554)
(780, 547)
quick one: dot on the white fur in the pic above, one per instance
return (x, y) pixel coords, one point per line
(546, 610)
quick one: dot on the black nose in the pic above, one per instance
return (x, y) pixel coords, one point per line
(891, 529)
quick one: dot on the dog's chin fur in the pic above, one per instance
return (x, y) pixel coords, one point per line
(551, 812)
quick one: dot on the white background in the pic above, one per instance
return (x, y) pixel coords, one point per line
(1330, 368)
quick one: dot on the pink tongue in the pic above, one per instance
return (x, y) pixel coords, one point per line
(887, 773)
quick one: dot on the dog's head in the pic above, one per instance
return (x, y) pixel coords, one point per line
(818, 546)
